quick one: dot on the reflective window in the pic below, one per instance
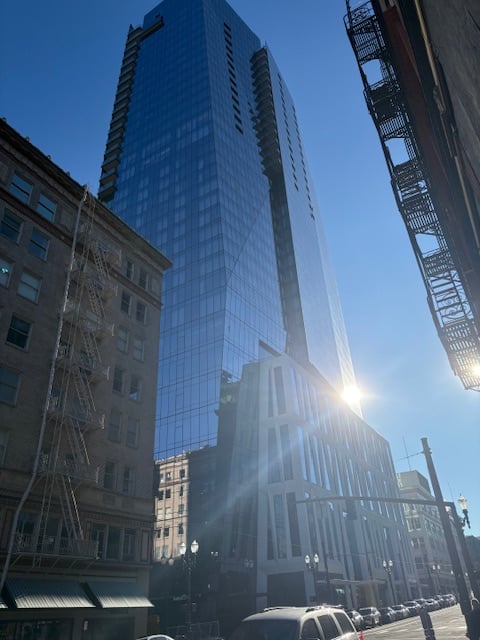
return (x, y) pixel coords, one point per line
(29, 286)
(141, 312)
(46, 207)
(11, 226)
(126, 303)
(132, 432)
(135, 388)
(122, 339)
(38, 244)
(9, 381)
(139, 349)
(21, 188)
(18, 332)
(110, 475)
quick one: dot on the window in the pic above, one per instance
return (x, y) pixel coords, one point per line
(3, 445)
(129, 269)
(166, 532)
(139, 349)
(160, 495)
(98, 534)
(113, 543)
(129, 539)
(8, 385)
(132, 432)
(181, 509)
(38, 244)
(329, 627)
(5, 272)
(126, 303)
(181, 490)
(29, 286)
(182, 473)
(309, 630)
(18, 332)
(110, 475)
(180, 529)
(118, 378)
(11, 226)
(168, 494)
(143, 279)
(141, 313)
(46, 207)
(128, 481)
(21, 188)
(122, 339)
(115, 425)
(135, 388)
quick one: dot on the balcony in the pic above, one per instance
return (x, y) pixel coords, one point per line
(31, 544)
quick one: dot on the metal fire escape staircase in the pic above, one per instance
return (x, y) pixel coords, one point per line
(73, 414)
(446, 295)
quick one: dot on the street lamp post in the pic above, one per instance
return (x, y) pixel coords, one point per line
(388, 566)
(312, 565)
(189, 561)
(436, 569)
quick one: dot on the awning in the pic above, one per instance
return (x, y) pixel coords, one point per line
(47, 594)
(122, 595)
(2, 604)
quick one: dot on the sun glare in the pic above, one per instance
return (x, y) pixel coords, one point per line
(351, 395)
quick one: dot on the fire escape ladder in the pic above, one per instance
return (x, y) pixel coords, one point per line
(387, 105)
(71, 516)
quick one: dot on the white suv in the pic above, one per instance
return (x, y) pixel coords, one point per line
(296, 623)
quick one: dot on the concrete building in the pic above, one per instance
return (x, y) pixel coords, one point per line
(432, 559)
(80, 299)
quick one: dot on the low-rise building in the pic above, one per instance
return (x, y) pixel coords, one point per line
(80, 305)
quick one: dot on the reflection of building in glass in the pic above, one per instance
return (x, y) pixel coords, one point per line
(432, 560)
(204, 158)
(80, 296)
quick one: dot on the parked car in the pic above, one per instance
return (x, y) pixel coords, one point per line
(356, 618)
(431, 604)
(371, 616)
(413, 607)
(156, 637)
(401, 611)
(387, 615)
(295, 623)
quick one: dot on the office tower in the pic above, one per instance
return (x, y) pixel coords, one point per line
(80, 300)
(204, 158)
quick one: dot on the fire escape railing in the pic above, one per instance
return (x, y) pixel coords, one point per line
(447, 300)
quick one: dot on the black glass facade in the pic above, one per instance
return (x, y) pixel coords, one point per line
(204, 158)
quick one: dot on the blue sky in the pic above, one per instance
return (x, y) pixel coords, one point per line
(60, 63)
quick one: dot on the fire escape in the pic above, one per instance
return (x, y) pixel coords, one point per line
(446, 295)
(72, 414)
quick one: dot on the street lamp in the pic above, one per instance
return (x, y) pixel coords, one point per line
(313, 567)
(388, 566)
(189, 562)
(436, 569)
(463, 503)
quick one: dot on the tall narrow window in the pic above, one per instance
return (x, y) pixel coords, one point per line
(139, 349)
(126, 303)
(135, 388)
(110, 475)
(128, 481)
(38, 244)
(8, 385)
(141, 313)
(143, 279)
(11, 226)
(29, 286)
(18, 332)
(115, 425)
(118, 379)
(129, 543)
(132, 432)
(122, 339)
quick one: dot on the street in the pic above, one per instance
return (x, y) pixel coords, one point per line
(449, 624)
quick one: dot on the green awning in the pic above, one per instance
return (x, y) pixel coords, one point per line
(112, 595)
(47, 594)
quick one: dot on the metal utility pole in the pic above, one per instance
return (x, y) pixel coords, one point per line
(463, 595)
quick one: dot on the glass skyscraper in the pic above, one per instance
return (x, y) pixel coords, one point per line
(205, 159)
